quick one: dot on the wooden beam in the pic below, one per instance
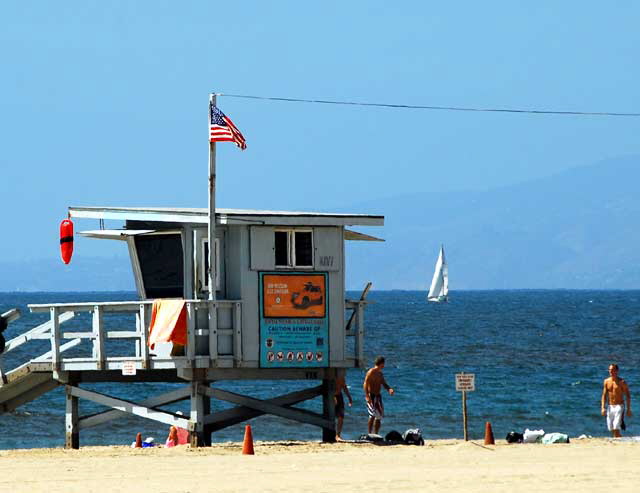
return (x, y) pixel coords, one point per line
(40, 384)
(61, 349)
(98, 334)
(11, 315)
(307, 417)
(191, 333)
(230, 417)
(212, 309)
(131, 407)
(363, 297)
(55, 339)
(152, 402)
(237, 333)
(144, 335)
(112, 334)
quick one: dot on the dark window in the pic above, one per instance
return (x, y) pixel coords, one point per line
(282, 248)
(304, 247)
(161, 265)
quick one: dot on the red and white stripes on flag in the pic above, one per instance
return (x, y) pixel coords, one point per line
(222, 129)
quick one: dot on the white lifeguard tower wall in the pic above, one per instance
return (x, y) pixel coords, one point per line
(169, 255)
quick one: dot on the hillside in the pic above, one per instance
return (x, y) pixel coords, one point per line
(577, 229)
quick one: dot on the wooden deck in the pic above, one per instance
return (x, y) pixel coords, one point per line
(81, 356)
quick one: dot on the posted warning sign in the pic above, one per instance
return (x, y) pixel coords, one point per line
(294, 327)
(465, 382)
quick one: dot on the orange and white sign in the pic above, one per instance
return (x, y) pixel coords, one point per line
(294, 296)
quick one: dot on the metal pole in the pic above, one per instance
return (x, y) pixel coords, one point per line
(212, 211)
(464, 414)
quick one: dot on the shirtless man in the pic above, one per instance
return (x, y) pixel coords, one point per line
(614, 390)
(373, 381)
(341, 386)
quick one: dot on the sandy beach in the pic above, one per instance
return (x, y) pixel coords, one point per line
(441, 465)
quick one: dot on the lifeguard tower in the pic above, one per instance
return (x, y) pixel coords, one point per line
(279, 313)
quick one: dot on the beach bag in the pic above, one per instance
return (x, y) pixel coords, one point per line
(532, 436)
(413, 436)
(555, 438)
(514, 437)
(393, 436)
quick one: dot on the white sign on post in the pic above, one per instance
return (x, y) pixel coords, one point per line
(465, 382)
(129, 368)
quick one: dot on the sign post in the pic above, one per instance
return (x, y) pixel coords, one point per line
(465, 382)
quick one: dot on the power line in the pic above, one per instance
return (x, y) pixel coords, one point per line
(441, 108)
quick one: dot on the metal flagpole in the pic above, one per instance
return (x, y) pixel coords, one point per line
(212, 210)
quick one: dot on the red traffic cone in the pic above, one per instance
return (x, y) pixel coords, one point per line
(247, 446)
(139, 440)
(488, 435)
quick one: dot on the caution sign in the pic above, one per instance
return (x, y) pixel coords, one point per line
(465, 382)
(294, 322)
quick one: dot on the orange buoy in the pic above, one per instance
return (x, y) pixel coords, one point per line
(66, 240)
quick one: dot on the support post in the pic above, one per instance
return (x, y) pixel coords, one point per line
(464, 414)
(196, 425)
(237, 334)
(98, 338)
(329, 409)
(212, 309)
(206, 408)
(191, 334)
(72, 430)
(55, 340)
(144, 336)
(360, 335)
(188, 293)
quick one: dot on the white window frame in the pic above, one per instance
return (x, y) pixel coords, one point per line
(291, 248)
(204, 275)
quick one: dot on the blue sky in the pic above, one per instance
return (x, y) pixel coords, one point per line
(105, 103)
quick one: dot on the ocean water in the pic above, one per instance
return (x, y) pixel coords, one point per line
(539, 357)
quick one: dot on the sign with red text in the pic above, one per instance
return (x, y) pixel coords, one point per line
(465, 382)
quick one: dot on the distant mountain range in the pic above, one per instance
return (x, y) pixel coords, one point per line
(577, 229)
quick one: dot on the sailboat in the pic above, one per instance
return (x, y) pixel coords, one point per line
(439, 290)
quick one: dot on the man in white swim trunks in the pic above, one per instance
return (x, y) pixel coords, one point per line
(373, 382)
(614, 390)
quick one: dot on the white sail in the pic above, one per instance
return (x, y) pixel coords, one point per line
(439, 290)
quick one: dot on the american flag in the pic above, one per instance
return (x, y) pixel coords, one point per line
(222, 129)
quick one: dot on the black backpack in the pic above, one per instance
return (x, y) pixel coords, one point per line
(394, 437)
(514, 437)
(413, 436)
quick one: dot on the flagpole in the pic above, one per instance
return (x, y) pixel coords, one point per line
(212, 210)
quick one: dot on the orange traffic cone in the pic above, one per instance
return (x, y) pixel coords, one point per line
(139, 440)
(488, 435)
(247, 446)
